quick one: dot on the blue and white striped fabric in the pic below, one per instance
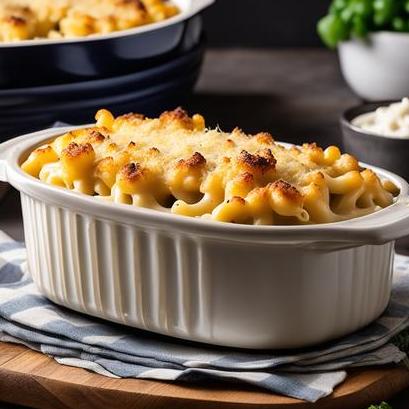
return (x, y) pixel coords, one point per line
(72, 339)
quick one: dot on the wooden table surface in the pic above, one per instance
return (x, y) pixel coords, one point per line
(297, 95)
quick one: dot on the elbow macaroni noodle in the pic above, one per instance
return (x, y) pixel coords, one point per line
(174, 164)
(28, 19)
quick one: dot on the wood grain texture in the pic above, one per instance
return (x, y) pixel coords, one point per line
(30, 378)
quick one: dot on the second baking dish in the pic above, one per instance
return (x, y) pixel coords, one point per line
(55, 61)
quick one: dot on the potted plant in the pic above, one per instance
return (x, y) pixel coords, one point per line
(372, 37)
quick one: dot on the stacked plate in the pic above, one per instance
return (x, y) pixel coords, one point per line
(149, 91)
(147, 69)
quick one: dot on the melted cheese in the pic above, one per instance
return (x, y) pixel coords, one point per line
(174, 164)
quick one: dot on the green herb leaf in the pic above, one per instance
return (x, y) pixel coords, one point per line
(357, 18)
(332, 29)
(383, 405)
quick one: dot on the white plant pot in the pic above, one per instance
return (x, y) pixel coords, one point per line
(377, 68)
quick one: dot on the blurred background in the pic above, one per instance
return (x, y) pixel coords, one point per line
(267, 69)
(264, 23)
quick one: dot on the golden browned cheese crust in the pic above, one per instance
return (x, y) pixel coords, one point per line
(74, 150)
(287, 190)
(195, 161)
(29, 19)
(15, 20)
(260, 162)
(131, 172)
(175, 164)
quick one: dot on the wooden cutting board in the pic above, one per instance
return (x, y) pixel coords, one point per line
(32, 379)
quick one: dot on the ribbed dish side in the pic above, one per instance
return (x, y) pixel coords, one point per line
(365, 283)
(216, 292)
(146, 279)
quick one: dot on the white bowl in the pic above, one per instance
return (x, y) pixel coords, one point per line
(377, 68)
(220, 283)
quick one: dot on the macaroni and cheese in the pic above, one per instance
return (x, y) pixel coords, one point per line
(175, 164)
(28, 19)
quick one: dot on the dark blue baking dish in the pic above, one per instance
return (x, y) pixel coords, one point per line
(151, 100)
(44, 61)
(23, 100)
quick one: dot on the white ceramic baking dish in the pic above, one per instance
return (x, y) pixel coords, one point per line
(233, 285)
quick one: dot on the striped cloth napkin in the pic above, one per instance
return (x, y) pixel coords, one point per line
(26, 317)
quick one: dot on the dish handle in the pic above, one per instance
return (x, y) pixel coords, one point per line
(389, 225)
(4, 152)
